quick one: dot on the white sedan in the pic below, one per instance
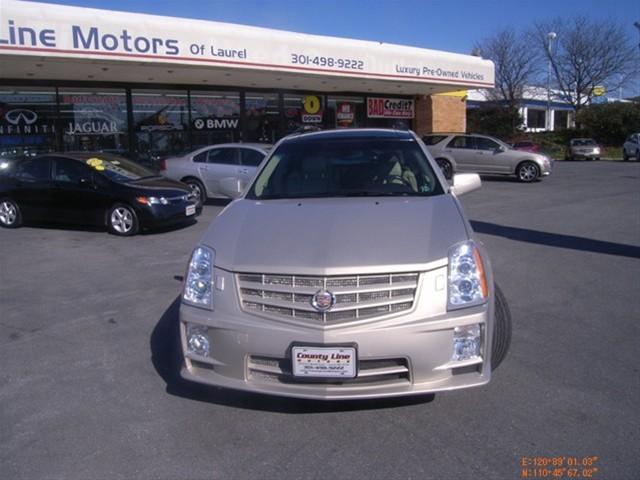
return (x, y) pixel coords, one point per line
(203, 169)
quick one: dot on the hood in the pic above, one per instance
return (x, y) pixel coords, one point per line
(161, 185)
(336, 235)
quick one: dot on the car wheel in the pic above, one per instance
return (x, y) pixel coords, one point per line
(446, 167)
(625, 157)
(528, 172)
(10, 216)
(122, 220)
(501, 329)
(197, 188)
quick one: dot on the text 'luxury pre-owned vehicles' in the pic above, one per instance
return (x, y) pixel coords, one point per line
(346, 270)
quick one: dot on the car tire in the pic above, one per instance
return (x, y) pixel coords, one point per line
(122, 220)
(198, 188)
(10, 216)
(501, 339)
(446, 167)
(528, 172)
(625, 157)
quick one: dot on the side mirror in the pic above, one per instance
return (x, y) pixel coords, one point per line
(232, 187)
(465, 183)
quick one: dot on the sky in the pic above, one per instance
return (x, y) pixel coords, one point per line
(449, 25)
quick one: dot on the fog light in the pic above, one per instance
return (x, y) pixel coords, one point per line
(197, 340)
(467, 341)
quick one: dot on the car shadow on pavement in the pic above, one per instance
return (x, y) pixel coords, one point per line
(556, 240)
(165, 359)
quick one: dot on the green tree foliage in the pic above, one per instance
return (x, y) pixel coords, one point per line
(495, 120)
(610, 123)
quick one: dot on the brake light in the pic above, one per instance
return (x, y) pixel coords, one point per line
(163, 165)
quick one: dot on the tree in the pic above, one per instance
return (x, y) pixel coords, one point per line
(515, 64)
(587, 53)
(495, 120)
(610, 123)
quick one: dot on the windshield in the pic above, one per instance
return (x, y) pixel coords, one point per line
(583, 142)
(346, 167)
(117, 168)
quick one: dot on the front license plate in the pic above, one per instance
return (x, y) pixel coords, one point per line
(324, 362)
(190, 210)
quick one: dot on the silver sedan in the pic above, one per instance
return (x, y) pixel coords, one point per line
(458, 153)
(203, 169)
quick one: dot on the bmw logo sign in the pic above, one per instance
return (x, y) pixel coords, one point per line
(323, 300)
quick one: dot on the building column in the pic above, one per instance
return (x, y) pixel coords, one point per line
(445, 112)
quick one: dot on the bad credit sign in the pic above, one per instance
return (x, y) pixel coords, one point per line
(389, 108)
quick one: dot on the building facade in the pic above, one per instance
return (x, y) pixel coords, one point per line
(148, 86)
(538, 114)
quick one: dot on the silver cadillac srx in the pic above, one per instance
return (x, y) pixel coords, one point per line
(346, 270)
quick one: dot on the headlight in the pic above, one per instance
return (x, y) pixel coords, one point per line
(467, 281)
(199, 278)
(596, 150)
(152, 200)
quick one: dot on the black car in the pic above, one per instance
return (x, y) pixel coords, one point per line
(93, 189)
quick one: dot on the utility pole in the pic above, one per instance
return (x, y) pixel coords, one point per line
(550, 37)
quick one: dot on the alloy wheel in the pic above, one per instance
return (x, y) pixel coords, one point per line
(197, 191)
(121, 220)
(8, 213)
(528, 172)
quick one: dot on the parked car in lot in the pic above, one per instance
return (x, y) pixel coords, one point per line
(485, 155)
(93, 189)
(203, 169)
(526, 146)
(346, 270)
(586, 148)
(631, 147)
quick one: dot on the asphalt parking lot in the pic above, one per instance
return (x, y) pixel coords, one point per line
(86, 392)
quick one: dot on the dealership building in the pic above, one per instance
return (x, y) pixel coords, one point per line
(150, 86)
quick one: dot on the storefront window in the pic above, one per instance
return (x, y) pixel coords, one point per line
(94, 120)
(27, 120)
(536, 118)
(560, 119)
(215, 117)
(345, 112)
(262, 117)
(160, 123)
(303, 112)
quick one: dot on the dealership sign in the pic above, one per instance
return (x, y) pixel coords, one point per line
(39, 29)
(389, 108)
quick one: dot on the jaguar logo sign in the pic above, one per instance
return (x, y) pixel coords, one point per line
(21, 115)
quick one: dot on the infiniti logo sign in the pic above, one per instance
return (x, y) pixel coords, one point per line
(22, 121)
(27, 117)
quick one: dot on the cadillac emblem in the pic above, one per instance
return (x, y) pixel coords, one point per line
(323, 300)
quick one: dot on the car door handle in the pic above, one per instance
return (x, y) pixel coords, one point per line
(243, 170)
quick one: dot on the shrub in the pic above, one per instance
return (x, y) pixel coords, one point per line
(610, 123)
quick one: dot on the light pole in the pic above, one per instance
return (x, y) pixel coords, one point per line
(550, 37)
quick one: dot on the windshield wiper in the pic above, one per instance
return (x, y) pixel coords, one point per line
(369, 193)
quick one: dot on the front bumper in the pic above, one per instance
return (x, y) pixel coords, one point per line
(586, 155)
(154, 216)
(406, 355)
